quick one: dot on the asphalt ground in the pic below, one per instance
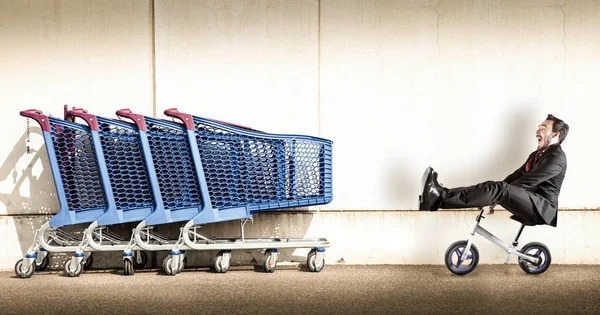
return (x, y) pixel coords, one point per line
(339, 289)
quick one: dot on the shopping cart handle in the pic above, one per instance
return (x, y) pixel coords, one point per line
(187, 119)
(66, 113)
(137, 119)
(89, 118)
(77, 109)
(38, 116)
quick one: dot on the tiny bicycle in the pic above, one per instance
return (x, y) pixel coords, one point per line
(462, 256)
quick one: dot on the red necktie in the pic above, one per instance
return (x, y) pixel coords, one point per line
(529, 164)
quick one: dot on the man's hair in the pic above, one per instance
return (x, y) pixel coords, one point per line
(559, 126)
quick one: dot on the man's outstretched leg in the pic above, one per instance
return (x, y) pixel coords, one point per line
(434, 195)
(516, 200)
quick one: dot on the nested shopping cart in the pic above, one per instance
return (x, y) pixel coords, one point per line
(256, 171)
(80, 195)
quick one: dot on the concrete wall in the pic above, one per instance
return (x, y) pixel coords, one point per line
(91, 54)
(397, 85)
(251, 62)
(458, 85)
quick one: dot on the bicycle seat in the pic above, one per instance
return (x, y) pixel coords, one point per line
(520, 220)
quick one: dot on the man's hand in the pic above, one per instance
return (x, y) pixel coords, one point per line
(489, 210)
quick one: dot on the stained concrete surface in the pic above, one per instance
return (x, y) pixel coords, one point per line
(385, 289)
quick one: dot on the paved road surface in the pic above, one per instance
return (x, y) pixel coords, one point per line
(490, 289)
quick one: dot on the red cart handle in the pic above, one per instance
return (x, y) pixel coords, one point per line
(83, 114)
(137, 119)
(68, 117)
(66, 113)
(187, 119)
(38, 116)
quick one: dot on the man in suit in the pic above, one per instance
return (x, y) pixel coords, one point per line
(530, 193)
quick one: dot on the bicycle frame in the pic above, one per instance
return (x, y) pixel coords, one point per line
(509, 249)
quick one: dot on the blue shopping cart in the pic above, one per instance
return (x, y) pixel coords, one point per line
(258, 171)
(80, 195)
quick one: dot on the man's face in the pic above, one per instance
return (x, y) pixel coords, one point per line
(544, 134)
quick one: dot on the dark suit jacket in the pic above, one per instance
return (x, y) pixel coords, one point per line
(543, 181)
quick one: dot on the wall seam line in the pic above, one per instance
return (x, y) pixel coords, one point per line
(319, 68)
(153, 54)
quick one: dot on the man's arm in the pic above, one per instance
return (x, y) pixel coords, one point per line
(512, 177)
(548, 168)
(516, 174)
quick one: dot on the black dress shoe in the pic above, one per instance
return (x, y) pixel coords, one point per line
(429, 200)
(438, 188)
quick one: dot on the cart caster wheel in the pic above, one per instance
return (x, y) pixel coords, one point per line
(22, 274)
(140, 259)
(72, 273)
(182, 263)
(270, 261)
(128, 267)
(167, 266)
(312, 263)
(221, 262)
(87, 263)
(43, 265)
(453, 255)
(538, 250)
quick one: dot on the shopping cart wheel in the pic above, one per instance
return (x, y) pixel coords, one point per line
(20, 273)
(221, 262)
(167, 266)
(43, 265)
(87, 264)
(270, 262)
(70, 272)
(140, 259)
(311, 261)
(128, 267)
(538, 250)
(455, 252)
(183, 262)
